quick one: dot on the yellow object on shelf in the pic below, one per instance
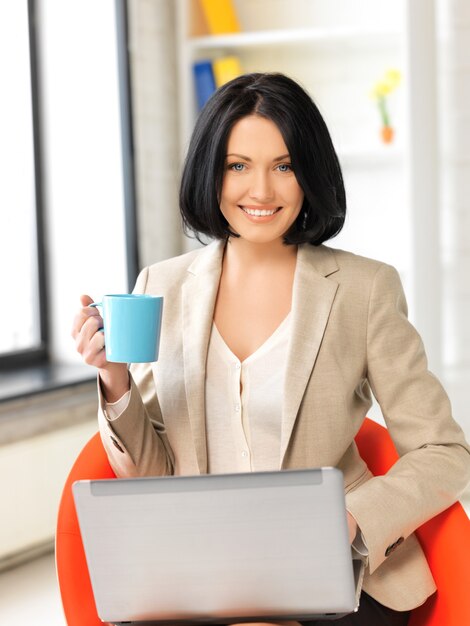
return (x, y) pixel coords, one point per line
(221, 17)
(225, 69)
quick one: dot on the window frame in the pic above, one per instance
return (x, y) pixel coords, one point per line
(127, 141)
(40, 354)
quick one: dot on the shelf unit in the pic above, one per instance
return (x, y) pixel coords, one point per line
(194, 44)
(337, 60)
(332, 36)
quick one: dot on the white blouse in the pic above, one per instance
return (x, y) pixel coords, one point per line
(244, 404)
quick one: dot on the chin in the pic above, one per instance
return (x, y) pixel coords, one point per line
(260, 238)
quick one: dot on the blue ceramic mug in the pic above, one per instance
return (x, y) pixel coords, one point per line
(132, 325)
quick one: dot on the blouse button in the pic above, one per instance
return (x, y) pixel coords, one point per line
(237, 366)
(244, 454)
(237, 407)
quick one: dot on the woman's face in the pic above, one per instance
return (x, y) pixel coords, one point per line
(260, 196)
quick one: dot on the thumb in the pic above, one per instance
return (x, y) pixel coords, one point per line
(85, 300)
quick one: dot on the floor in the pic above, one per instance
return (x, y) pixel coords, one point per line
(29, 595)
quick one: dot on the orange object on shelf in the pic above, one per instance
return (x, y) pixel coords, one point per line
(387, 133)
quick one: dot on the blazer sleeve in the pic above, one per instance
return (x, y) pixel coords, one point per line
(434, 464)
(136, 442)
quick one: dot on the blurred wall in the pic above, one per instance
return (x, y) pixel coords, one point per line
(152, 51)
(454, 110)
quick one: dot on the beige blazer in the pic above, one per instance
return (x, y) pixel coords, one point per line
(350, 335)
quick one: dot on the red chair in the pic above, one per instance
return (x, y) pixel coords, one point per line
(72, 571)
(445, 540)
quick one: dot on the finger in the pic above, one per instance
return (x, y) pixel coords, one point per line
(95, 353)
(87, 309)
(90, 327)
(80, 319)
(86, 300)
(90, 341)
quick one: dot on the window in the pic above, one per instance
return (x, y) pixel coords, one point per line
(83, 161)
(22, 328)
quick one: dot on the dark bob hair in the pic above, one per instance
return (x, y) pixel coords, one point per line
(315, 163)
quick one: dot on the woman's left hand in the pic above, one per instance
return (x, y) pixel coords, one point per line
(352, 527)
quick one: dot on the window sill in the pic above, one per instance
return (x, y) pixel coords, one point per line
(22, 383)
(43, 399)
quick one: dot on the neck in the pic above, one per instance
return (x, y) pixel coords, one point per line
(242, 253)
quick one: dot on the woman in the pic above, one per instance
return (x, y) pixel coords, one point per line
(272, 342)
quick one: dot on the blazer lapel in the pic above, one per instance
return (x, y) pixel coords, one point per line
(312, 299)
(199, 296)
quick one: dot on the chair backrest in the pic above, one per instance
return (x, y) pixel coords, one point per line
(72, 571)
(445, 540)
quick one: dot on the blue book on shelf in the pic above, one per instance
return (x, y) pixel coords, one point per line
(204, 81)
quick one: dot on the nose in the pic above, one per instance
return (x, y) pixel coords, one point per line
(261, 188)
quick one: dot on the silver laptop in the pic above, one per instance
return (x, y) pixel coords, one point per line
(219, 548)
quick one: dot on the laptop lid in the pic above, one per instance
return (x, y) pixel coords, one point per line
(218, 548)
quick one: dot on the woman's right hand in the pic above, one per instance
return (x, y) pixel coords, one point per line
(89, 342)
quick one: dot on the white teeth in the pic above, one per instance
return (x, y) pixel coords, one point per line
(258, 212)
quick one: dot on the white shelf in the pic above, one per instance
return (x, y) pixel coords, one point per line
(373, 156)
(358, 36)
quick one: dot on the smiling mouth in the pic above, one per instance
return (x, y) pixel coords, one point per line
(260, 212)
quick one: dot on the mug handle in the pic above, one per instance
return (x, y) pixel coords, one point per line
(95, 304)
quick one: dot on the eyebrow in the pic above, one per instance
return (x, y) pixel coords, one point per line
(245, 158)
